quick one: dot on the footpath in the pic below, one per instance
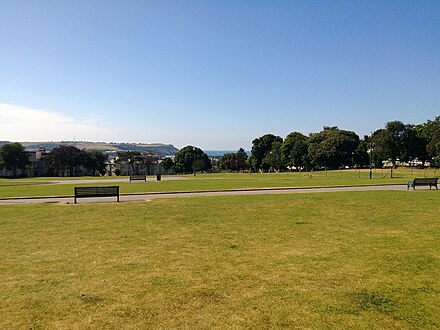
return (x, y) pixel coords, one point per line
(150, 196)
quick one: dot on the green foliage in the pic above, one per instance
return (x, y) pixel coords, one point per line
(261, 149)
(233, 161)
(167, 163)
(294, 151)
(273, 159)
(70, 158)
(65, 157)
(332, 148)
(398, 141)
(191, 159)
(361, 156)
(430, 133)
(95, 162)
(13, 157)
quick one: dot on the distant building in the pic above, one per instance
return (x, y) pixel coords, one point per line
(37, 166)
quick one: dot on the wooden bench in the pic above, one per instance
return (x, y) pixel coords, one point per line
(106, 191)
(138, 178)
(431, 182)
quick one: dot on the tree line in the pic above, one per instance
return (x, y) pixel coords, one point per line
(330, 148)
(63, 160)
(334, 148)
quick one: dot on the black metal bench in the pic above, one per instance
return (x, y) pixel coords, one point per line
(138, 178)
(105, 191)
(431, 182)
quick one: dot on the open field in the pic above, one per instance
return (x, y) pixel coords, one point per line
(346, 260)
(207, 182)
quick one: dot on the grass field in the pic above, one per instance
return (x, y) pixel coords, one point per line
(344, 260)
(202, 182)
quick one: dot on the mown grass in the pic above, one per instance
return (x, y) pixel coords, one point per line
(344, 260)
(206, 182)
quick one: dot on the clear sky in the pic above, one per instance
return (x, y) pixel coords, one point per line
(215, 74)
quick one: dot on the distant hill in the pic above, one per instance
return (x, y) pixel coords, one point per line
(157, 148)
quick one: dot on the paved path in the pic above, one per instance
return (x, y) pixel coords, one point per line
(150, 196)
(118, 180)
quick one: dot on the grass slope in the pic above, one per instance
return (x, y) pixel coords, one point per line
(363, 260)
(42, 187)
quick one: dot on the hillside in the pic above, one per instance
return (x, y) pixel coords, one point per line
(157, 148)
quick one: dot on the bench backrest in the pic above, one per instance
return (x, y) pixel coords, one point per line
(96, 191)
(138, 177)
(425, 180)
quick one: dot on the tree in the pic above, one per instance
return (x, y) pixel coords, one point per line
(95, 161)
(361, 156)
(273, 160)
(294, 150)
(430, 133)
(397, 141)
(191, 159)
(242, 154)
(225, 161)
(261, 147)
(332, 147)
(167, 163)
(65, 158)
(13, 157)
(233, 161)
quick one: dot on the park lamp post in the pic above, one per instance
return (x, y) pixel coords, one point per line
(370, 152)
(194, 161)
(158, 177)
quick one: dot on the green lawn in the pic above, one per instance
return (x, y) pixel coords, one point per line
(43, 186)
(344, 260)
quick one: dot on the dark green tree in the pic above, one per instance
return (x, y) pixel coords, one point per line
(430, 133)
(66, 157)
(94, 161)
(273, 159)
(225, 161)
(261, 147)
(191, 159)
(13, 157)
(398, 141)
(332, 147)
(233, 161)
(361, 155)
(242, 154)
(294, 150)
(167, 163)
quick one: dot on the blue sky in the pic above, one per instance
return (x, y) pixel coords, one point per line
(215, 74)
